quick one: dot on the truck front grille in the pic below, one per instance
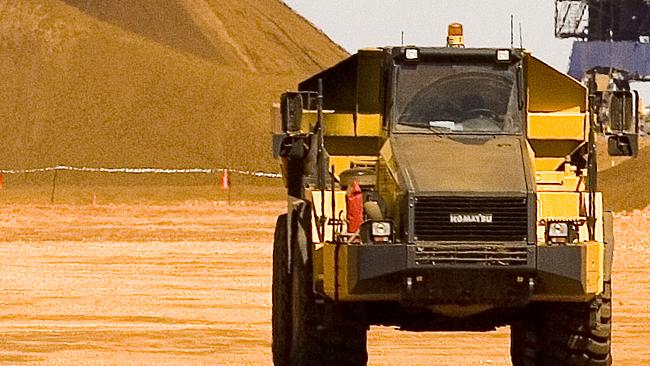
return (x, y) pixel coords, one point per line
(484, 219)
(487, 254)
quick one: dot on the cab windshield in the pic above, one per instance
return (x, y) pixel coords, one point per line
(458, 98)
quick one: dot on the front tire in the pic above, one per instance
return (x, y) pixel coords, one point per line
(565, 334)
(323, 333)
(281, 294)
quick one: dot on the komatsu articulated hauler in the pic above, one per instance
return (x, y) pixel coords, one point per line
(444, 189)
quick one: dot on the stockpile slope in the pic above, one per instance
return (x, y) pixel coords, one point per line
(627, 186)
(262, 36)
(136, 83)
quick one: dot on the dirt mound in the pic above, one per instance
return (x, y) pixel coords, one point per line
(625, 186)
(134, 83)
(264, 36)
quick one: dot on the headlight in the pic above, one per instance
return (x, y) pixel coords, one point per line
(381, 228)
(560, 232)
(558, 229)
(375, 232)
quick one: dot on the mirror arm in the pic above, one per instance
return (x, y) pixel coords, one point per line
(637, 100)
(323, 171)
(592, 170)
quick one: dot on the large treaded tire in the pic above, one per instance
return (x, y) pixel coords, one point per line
(565, 334)
(524, 343)
(324, 333)
(281, 295)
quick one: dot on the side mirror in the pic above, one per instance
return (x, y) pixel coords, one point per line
(623, 145)
(622, 114)
(291, 107)
(622, 123)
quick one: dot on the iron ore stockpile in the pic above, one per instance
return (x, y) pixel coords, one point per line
(623, 185)
(176, 275)
(137, 83)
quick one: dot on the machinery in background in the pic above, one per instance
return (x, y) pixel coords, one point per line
(613, 47)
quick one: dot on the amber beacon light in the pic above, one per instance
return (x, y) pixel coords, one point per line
(455, 37)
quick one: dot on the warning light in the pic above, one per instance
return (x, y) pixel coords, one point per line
(455, 29)
(455, 37)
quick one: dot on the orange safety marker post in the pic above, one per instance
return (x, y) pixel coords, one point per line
(56, 172)
(225, 183)
(2, 181)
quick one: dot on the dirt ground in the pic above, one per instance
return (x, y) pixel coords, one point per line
(189, 284)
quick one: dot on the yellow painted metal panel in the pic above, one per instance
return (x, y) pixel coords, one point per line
(595, 259)
(342, 124)
(557, 126)
(338, 124)
(558, 205)
(548, 164)
(369, 125)
(550, 90)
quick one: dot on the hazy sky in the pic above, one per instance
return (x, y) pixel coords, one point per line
(356, 24)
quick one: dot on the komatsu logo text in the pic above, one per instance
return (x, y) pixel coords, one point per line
(478, 218)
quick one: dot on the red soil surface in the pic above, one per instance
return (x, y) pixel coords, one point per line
(190, 284)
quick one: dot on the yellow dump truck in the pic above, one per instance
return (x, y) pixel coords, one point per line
(444, 189)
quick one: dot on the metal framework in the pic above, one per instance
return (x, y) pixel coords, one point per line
(603, 20)
(571, 19)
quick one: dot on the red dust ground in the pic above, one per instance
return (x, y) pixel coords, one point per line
(190, 284)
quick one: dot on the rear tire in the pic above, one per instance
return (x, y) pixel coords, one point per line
(565, 334)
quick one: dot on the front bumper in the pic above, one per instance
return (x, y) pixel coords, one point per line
(398, 273)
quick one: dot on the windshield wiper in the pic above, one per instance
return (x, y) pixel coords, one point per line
(414, 124)
(434, 129)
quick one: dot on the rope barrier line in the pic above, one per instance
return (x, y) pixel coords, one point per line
(141, 171)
